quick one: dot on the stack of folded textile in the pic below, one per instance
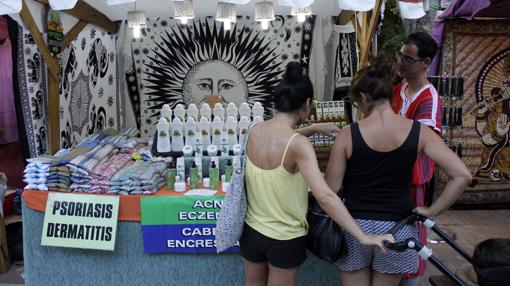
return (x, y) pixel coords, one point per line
(36, 175)
(82, 165)
(141, 177)
(59, 178)
(103, 173)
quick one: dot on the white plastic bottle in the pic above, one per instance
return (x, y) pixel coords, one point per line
(205, 111)
(244, 124)
(232, 111)
(204, 127)
(217, 128)
(166, 112)
(180, 112)
(163, 144)
(192, 112)
(257, 110)
(231, 127)
(177, 137)
(219, 111)
(245, 110)
(190, 129)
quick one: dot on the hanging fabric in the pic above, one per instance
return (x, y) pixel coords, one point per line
(29, 86)
(8, 126)
(346, 61)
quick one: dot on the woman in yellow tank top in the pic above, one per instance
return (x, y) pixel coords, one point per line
(280, 166)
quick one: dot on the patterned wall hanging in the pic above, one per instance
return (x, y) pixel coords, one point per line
(30, 91)
(88, 87)
(480, 52)
(179, 63)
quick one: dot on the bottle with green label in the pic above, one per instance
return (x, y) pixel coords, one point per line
(171, 172)
(193, 176)
(214, 176)
(229, 170)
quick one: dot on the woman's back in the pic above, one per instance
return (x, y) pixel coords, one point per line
(379, 168)
(277, 198)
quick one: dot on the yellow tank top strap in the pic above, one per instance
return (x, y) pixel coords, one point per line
(287, 147)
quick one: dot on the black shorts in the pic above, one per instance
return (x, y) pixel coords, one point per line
(256, 247)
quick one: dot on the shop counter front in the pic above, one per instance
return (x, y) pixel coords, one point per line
(128, 264)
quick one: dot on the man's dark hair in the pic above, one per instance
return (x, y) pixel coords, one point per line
(427, 47)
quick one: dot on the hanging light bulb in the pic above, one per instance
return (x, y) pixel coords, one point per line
(301, 12)
(136, 20)
(264, 13)
(226, 13)
(227, 25)
(137, 32)
(184, 11)
(264, 25)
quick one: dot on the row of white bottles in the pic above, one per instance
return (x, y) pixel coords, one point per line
(172, 136)
(218, 111)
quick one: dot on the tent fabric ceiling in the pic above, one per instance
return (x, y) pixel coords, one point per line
(165, 8)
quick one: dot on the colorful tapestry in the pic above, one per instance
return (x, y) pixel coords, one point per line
(30, 91)
(88, 87)
(480, 52)
(178, 63)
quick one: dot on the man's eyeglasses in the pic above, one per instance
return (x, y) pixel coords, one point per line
(406, 60)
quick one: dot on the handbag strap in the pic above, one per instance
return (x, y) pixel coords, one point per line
(244, 152)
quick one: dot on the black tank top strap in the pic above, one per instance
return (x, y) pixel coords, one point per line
(414, 136)
(357, 138)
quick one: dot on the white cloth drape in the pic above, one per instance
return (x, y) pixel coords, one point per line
(411, 9)
(10, 7)
(62, 4)
(356, 5)
(296, 3)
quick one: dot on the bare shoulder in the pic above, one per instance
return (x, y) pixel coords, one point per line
(428, 136)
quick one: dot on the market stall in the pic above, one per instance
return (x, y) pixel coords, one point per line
(152, 112)
(128, 264)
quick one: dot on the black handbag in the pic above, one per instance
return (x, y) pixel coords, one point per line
(325, 239)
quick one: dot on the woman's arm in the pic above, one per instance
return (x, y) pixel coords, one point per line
(329, 129)
(327, 199)
(338, 160)
(434, 147)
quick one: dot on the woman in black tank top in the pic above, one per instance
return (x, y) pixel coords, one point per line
(372, 162)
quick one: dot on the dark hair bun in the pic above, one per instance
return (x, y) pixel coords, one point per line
(293, 90)
(381, 68)
(293, 72)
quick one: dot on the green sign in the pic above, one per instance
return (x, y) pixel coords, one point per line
(80, 221)
(184, 224)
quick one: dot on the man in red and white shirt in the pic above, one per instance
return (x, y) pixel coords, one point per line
(417, 99)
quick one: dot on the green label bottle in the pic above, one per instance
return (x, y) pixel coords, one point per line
(214, 176)
(229, 170)
(171, 172)
(193, 176)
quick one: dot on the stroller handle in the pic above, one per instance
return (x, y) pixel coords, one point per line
(430, 224)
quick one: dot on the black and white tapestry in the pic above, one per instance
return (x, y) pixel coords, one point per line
(31, 97)
(88, 95)
(178, 63)
(346, 65)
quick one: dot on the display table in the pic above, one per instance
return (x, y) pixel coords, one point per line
(127, 264)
